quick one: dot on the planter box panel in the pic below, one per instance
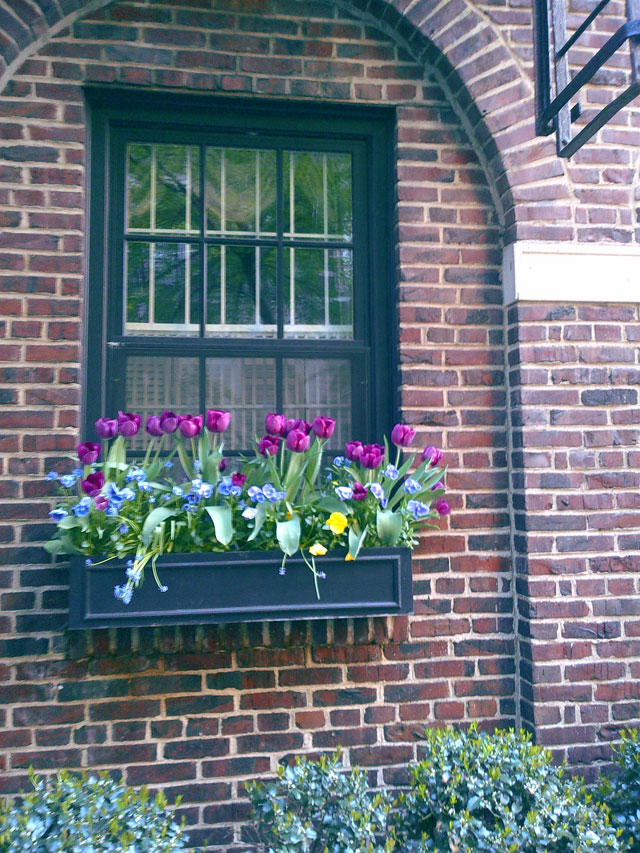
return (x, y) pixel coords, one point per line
(243, 587)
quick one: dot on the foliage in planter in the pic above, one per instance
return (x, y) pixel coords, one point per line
(279, 499)
(313, 807)
(621, 792)
(87, 814)
(479, 793)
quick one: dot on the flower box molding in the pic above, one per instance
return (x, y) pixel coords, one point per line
(242, 586)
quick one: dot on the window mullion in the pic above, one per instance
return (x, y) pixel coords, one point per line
(279, 274)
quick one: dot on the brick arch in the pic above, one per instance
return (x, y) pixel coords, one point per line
(487, 86)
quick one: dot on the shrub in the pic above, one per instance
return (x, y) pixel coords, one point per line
(87, 814)
(622, 791)
(478, 793)
(312, 807)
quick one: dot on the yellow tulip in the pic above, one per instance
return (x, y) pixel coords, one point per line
(348, 558)
(337, 523)
(318, 550)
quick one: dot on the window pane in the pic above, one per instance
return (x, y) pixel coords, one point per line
(162, 289)
(139, 186)
(317, 195)
(241, 191)
(246, 387)
(163, 183)
(241, 291)
(318, 293)
(157, 383)
(315, 387)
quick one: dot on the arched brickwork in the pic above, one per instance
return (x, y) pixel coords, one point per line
(489, 88)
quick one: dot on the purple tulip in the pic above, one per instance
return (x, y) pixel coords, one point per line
(275, 424)
(92, 485)
(88, 452)
(359, 492)
(352, 450)
(106, 427)
(323, 427)
(100, 502)
(222, 464)
(442, 507)
(268, 445)
(190, 425)
(238, 479)
(371, 456)
(433, 454)
(297, 440)
(168, 422)
(153, 427)
(218, 420)
(438, 485)
(128, 424)
(297, 424)
(402, 435)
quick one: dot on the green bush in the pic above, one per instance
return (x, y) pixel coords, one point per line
(478, 793)
(88, 814)
(312, 807)
(621, 792)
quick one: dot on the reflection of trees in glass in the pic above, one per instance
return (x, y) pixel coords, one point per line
(171, 186)
(138, 283)
(309, 192)
(237, 197)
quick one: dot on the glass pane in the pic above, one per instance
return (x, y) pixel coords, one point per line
(162, 289)
(246, 387)
(315, 387)
(317, 194)
(241, 291)
(241, 191)
(339, 195)
(318, 293)
(163, 184)
(139, 186)
(157, 383)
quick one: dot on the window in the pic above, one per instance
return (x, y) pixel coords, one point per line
(238, 259)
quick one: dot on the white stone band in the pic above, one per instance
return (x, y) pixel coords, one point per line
(570, 272)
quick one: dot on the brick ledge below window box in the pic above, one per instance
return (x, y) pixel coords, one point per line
(242, 586)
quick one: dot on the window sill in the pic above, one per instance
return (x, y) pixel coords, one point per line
(243, 586)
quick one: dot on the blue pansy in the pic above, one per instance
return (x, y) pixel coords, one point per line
(391, 472)
(197, 466)
(168, 464)
(136, 474)
(124, 528)
(77, 472)
(68, 481)
(270, 492)
(256, 494)
(281, 496)
(178, 491)
(236, 491)
(377, 491)
(224, 486)
(144, 487)
(52, 475)
(249, 512)
(58, 514)
(345, 493)
(338, 461)
(82, 507)
(418, 509)
(205, 490)
(411, 486)
(196, 482)
(134, 573)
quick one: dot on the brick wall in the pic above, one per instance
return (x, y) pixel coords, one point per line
(574, 374)
(197, 711)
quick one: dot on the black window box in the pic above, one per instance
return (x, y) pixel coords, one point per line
(243, 586)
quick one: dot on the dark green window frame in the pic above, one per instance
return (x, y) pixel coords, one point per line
(116, 117)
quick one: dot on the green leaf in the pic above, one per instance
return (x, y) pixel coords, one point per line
(156, 517)
(222, 523)
(54, 546)
(356, 540)
(288, 535)
(261, 514)
(69, 547)
(333, 504)
(388, 526)
(183, 456)
(68, 522)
